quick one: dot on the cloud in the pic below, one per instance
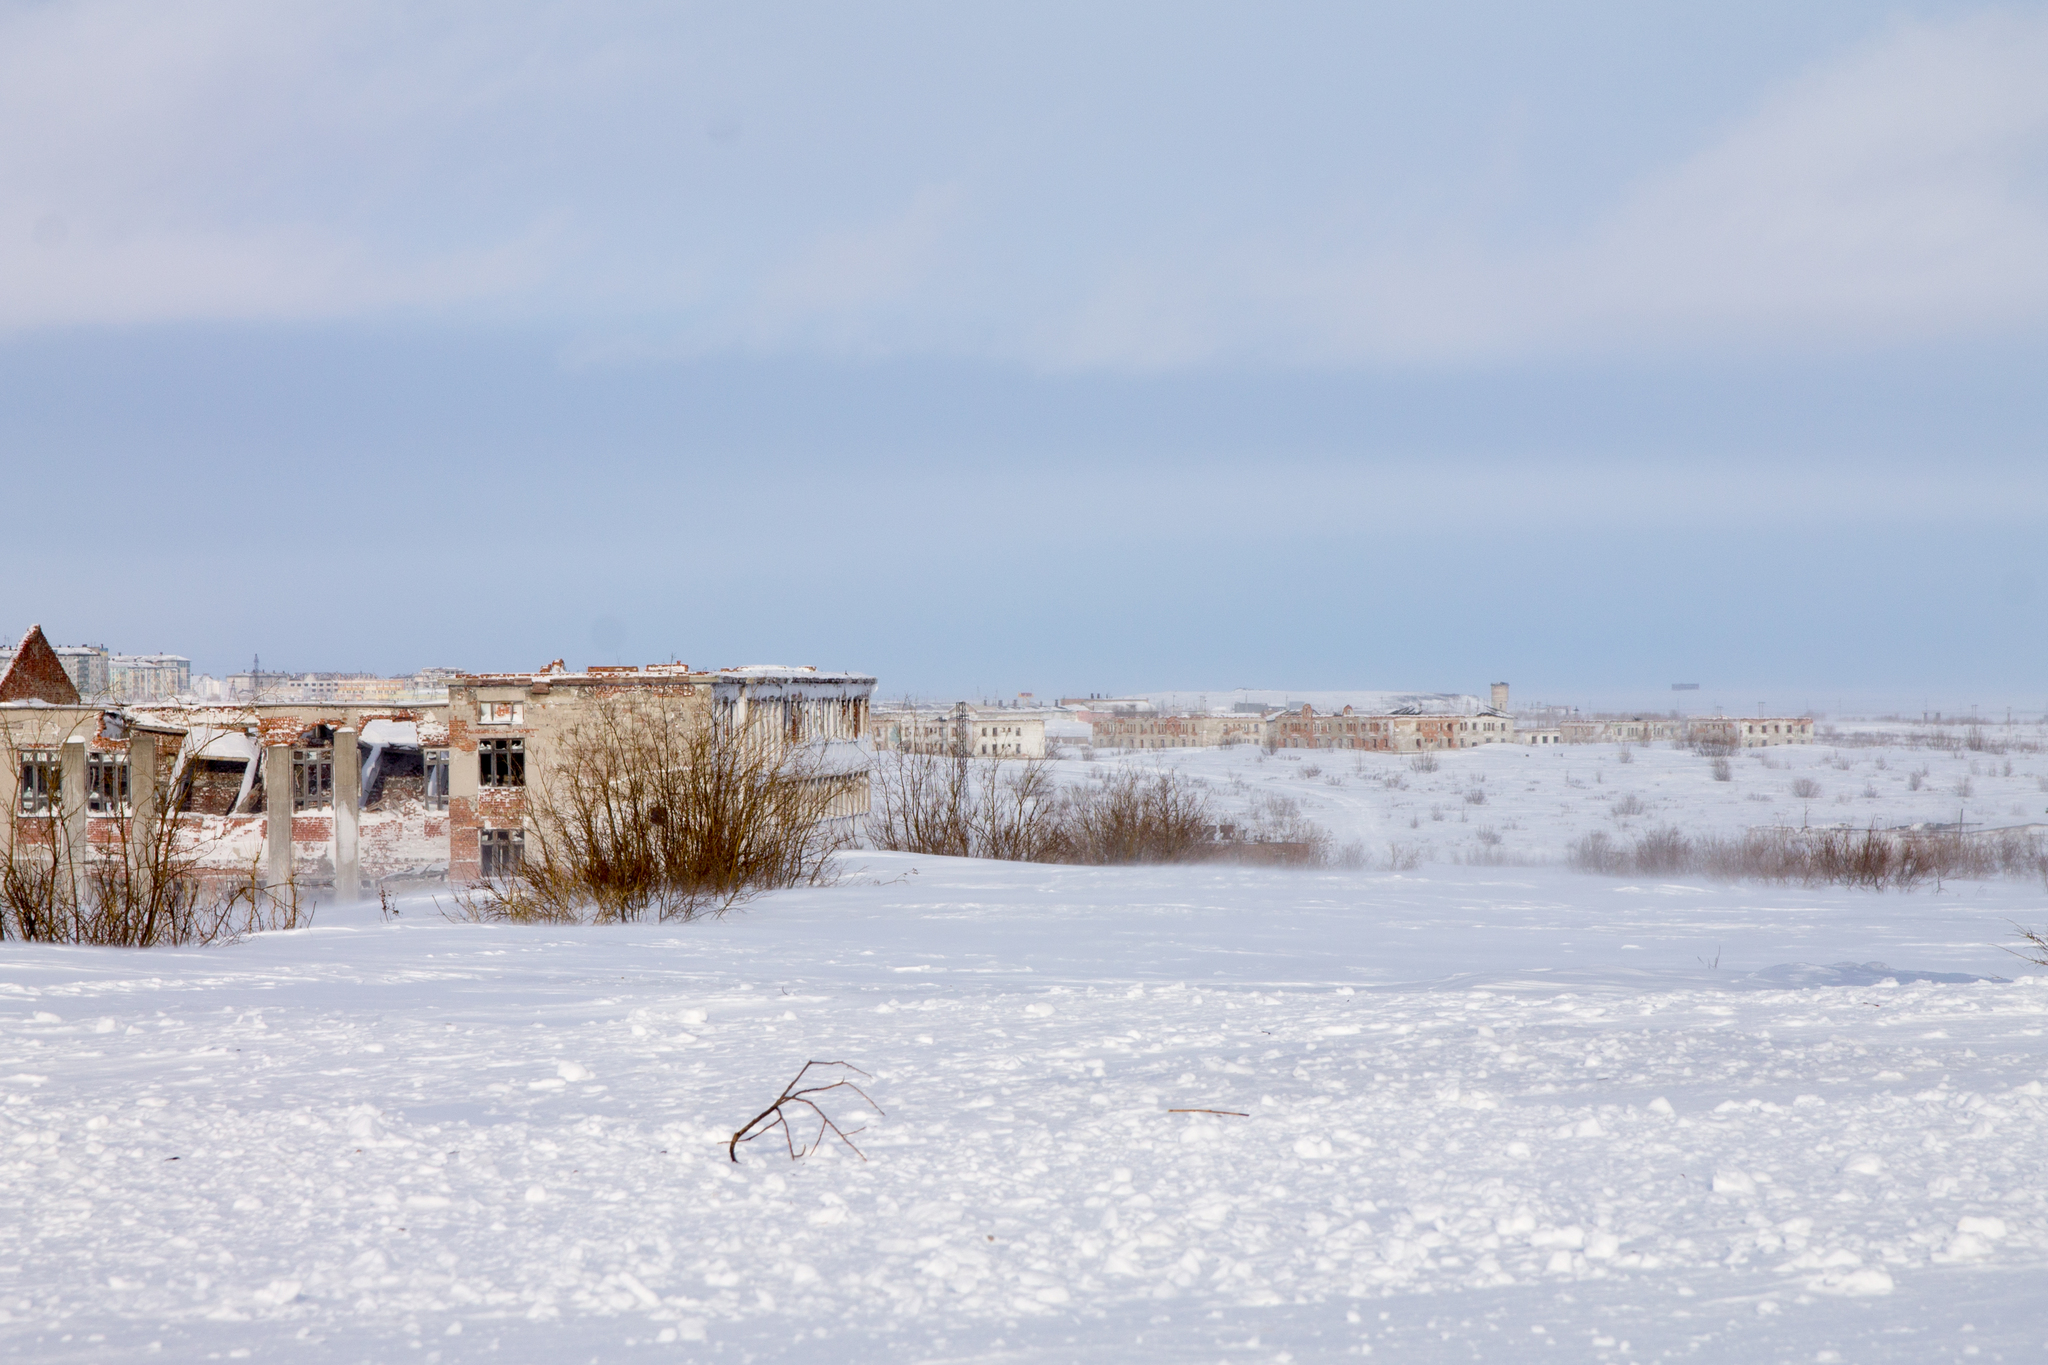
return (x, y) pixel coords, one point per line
(896, 190)
(1896, 194)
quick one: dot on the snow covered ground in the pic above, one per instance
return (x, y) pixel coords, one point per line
(1492, 1114)
(1522, 804)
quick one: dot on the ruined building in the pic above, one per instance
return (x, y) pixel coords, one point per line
(330, 793)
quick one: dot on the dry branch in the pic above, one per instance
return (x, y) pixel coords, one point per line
(797, 1093)
(1231, 1112)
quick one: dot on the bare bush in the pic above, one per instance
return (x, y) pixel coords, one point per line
(144, 889)
(1873, 858)
(1805, 788)
(1017, 811)
(1724, 771)
(656, 812)
(1424, 763)
(1475, 796)
(1628, 805)
(1132, 817)
(1625, 755)
(967, 808)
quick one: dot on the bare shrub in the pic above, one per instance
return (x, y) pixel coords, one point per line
(1873, 858)
(1963, 787)
(1805, 788)
(1279, 833)
(1311, 771)
(1488, 836)
(656, 812)
(1352, 857)
(144, 890)
(1914, 779)
(1724, 771)
(1626, 754)
(1403, 857)
(965, 808)
(1424, 763)
(1131, 817)
(1628, 805)
(954, 806)
(1475, 796)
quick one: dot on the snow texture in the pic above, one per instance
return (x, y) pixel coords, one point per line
(1490, 1114)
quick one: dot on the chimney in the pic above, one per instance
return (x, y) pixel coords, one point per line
(1500, 696)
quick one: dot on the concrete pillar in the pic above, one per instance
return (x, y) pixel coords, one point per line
(75, 844)
(142, 799)
(277, 812)
(348, 798)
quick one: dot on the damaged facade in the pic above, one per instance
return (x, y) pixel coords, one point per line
(502, 728)
(963, 730)
(345, 795)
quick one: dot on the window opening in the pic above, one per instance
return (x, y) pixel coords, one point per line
(501, 762)
(106, 784)
(312, 778)
(436, 763)
(500, 852)
(39, 778)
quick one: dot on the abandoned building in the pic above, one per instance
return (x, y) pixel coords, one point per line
(1736, 732)
(962, 730)
(344, 795)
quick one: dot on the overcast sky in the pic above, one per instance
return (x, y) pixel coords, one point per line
(1594, 347)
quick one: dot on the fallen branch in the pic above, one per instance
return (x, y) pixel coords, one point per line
(797, 1093)
(1231, 1112)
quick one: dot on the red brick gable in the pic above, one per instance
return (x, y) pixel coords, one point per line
(37, 674)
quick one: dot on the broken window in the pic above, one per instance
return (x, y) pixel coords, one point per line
(500, 851)
(39, 778)
(501, 713)
(106, 784)
(312, 778)
(501, 762)
(436, 767)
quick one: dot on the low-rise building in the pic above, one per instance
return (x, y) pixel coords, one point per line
(961, 729)
(1406, 731)
(1156, 730)
(1740, 732)
(1751, 732)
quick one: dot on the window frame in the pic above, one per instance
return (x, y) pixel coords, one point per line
(41, 777)
(501, 763)
(500, 853)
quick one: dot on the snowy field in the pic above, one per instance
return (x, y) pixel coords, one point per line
(1520, 804)
(1494, 1114)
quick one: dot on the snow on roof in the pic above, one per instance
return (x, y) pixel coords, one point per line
(403, 733)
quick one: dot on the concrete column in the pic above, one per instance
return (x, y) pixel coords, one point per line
(142, 798)
(75, 844)
(348, 798)
(277, 811)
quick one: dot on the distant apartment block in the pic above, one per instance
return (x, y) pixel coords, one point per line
(961, 729)
(1737, 732)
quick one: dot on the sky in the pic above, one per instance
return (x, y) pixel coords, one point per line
(1069, 349)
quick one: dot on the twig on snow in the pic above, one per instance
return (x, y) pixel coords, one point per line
(797, 1093)
(1231, 1112)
